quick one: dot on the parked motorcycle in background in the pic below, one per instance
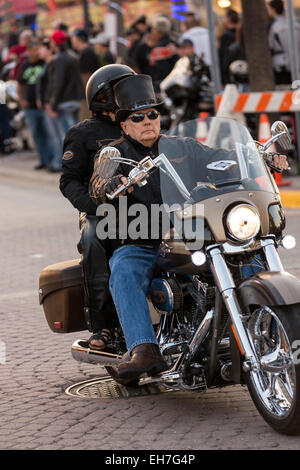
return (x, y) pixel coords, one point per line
(21, 138)
(187, 92)
(226, 311)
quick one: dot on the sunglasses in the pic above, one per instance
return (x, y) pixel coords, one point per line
(139, 117)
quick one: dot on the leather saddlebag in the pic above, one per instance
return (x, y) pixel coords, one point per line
(62, 296)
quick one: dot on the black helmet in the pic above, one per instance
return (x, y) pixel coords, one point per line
(103, 81)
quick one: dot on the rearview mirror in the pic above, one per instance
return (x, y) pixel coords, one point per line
(107, 164)
(284, 140)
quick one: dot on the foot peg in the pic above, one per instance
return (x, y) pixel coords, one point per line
(166, 378)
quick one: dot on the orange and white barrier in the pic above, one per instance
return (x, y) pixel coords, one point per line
(235, 105)
(258, 102)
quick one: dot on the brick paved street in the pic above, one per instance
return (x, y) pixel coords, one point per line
(39, 227)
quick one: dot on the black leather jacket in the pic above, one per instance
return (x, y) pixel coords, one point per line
(64, 80)
(81, 143)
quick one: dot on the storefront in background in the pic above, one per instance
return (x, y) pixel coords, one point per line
(43, 14)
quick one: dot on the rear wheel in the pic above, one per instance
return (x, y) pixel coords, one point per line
(275, 385)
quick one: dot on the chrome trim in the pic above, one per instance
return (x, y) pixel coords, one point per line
(226, 286)
(171, 377)
(196, 340)
(201, 332)
(272, 257)
(252, 245)
(224, 343)
(221, 273)
(81, 353)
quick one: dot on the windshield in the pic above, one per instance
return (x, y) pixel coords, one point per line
(210, 157)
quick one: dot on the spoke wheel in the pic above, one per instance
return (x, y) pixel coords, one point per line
(275, 384)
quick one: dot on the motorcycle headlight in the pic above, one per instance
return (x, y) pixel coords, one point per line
(243, 222)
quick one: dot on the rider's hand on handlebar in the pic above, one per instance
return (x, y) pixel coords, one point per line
(115, 183)
(276, 161)
(280, 162)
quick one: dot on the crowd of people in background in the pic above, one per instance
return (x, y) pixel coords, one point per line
(52, 71)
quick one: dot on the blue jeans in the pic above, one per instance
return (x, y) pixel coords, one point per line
(36, 122)
(68, 118)
(132, 269)
(57, 128)
(57, 134)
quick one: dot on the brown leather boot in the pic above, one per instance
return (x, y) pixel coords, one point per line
(144, 358)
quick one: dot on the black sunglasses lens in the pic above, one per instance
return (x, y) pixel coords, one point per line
(152, 115)
(139, 117)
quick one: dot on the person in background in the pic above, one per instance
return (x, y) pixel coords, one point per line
(134, 37)
(65, 90)
(88, 64)
(43, 83)
(193, 30)
(59, 26)
(5, 129)
(88, 60)
(18, 53)
(156, 55)
(27, 79)
(140, 24)
(186, 48)
(101, 46)
(231, 20)
(1, 53)
(279, 42)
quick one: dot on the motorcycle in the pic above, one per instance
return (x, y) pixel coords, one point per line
(187, 91)
(21, 138)
(226, 312)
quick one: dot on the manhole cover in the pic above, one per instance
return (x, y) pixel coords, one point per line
(106, 387)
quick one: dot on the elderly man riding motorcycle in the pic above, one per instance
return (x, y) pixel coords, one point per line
(133, 261)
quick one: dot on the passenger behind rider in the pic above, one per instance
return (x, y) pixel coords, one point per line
(133, 261)
(81, 143)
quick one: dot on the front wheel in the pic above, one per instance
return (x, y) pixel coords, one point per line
(275, 384)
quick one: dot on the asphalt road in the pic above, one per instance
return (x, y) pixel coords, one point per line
(39, 227)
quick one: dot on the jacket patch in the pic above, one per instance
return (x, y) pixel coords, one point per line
(68, 155)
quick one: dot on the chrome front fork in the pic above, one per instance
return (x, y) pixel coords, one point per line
(271, 255)
(226, 286)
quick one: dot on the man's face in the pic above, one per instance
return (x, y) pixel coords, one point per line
(43, 52)
(186, 50)
(74, 42)
(33, 53)
(147, 130)
(271, 11)
(99, 48)
(53, 46)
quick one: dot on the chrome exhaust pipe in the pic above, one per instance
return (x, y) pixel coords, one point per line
(81, 352)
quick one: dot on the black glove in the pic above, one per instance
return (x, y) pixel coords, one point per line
(113, 183)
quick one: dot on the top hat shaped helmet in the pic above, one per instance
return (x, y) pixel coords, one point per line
(133, 94)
